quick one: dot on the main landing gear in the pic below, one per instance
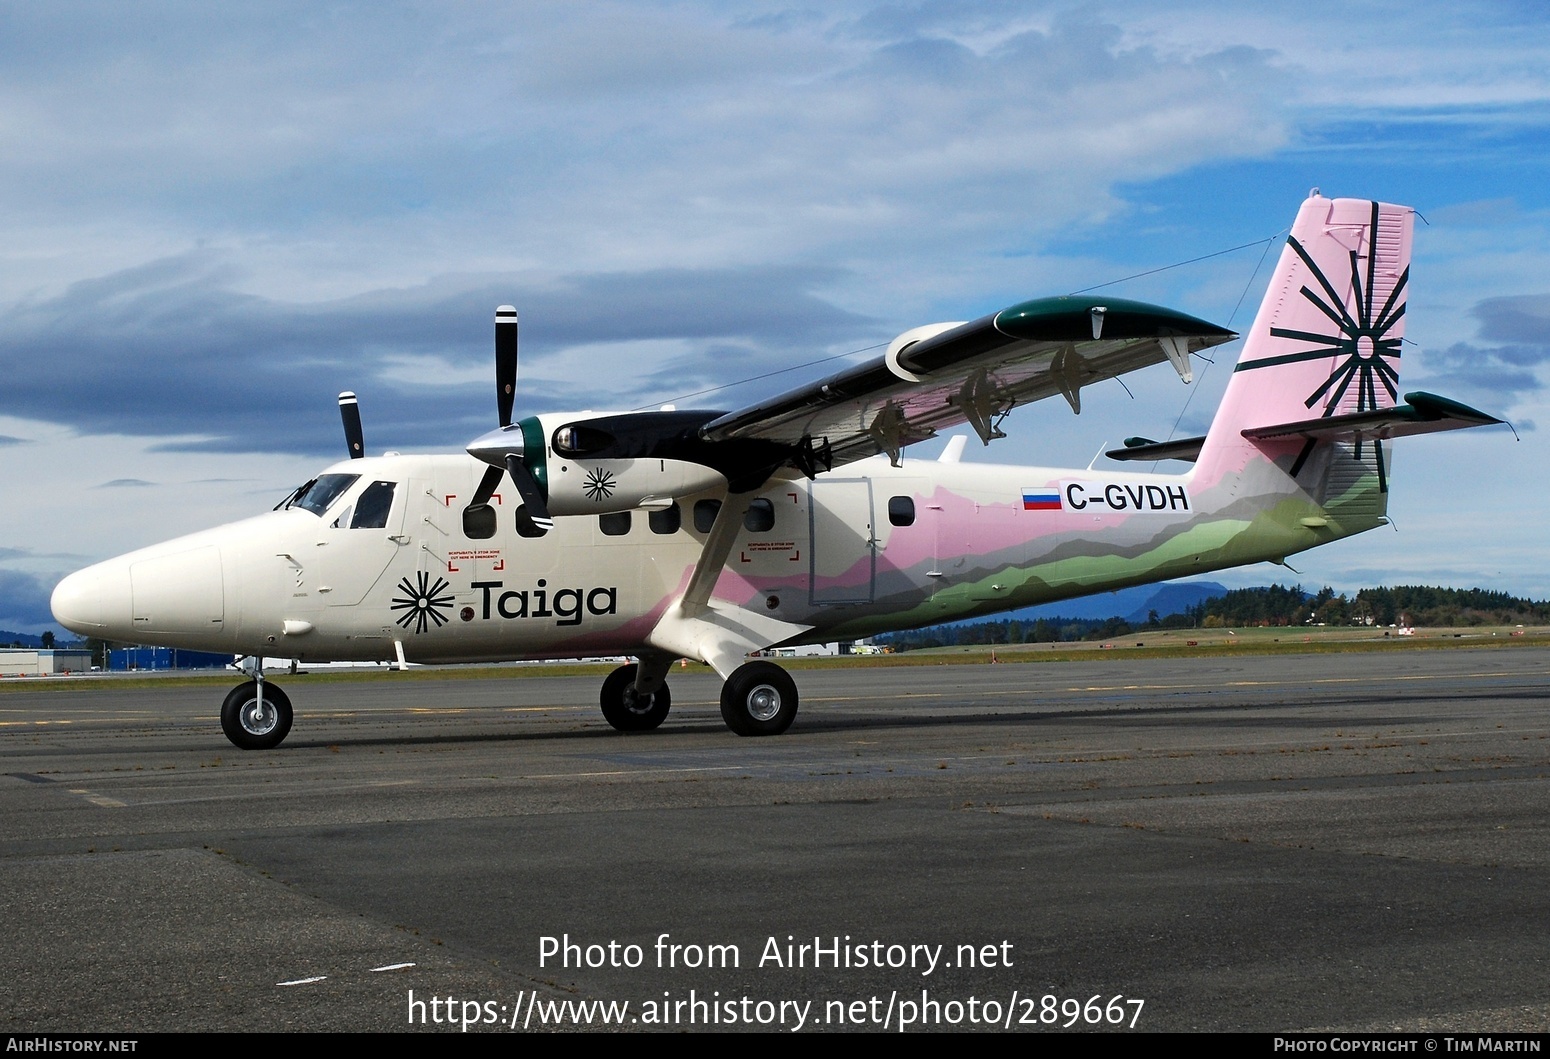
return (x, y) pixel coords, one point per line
(759, 698)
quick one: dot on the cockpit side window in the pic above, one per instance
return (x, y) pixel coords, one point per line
(371, 510)
(316, 496)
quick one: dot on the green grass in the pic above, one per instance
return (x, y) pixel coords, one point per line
(1176, 643)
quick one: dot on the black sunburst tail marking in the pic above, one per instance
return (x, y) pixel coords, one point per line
(1302, 457)
(1362, 300)
(1361, 348)
(1372, 264)
(1340, 319)
(1336, 303)
(1384, 321)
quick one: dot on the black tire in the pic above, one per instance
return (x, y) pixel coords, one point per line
(759, 698)
(249, 729)
(625, 709)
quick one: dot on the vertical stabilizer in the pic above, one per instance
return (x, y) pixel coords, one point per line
(1326, 342)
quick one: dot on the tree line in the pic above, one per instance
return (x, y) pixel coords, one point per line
(1271, 605)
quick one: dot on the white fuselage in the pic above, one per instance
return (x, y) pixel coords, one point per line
(865, 548)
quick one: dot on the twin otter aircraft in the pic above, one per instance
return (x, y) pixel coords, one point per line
(713, 535)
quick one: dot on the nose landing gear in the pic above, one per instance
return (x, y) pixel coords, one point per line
(256, 716)
(629, 709)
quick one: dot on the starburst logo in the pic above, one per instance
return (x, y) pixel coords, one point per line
(424, 603)
(1365, 354)
(599, 485)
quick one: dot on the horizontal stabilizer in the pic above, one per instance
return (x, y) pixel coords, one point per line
(1187, 449)
(1422, 413)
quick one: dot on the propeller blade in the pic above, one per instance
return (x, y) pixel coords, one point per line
(527, 486)
(487, 484)
(505, 361)
(350, 413)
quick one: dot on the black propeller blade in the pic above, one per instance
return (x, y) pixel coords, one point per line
(503, 449)
(505, 361)
(527, 486)
(350, 413)
(487, 484)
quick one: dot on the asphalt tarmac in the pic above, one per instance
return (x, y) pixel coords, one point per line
(1349, 842)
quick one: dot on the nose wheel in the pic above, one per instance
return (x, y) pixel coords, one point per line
(630, 710)
(255, 722)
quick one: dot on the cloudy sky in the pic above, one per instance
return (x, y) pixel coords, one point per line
(216, 217)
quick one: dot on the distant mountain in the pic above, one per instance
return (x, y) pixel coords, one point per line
(26, 639)
(1174, 599)
(1132, 604)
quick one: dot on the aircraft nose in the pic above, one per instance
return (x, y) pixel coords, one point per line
(95, 600)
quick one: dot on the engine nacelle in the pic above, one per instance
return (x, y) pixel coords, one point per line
(599, 487)
(611, 462)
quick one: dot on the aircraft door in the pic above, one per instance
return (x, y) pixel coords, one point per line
(844, 541)
(358, 541)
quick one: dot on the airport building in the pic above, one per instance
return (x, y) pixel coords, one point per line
(122, 659)
(37, 662)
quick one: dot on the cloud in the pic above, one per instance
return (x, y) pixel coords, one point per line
(6, 439)
(1522, 320)
(355, 151)
(24, 602)
(169, 349)
(1492, 373)
(126, 483)
(728, 195)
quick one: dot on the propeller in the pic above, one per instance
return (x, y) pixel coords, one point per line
(503, 449)
(350, 412)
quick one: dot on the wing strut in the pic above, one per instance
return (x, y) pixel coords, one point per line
(716, 632)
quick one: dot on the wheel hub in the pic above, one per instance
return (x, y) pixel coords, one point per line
(259, 718)
(763, 702)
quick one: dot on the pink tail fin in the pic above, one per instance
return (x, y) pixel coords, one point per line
(1327, 338)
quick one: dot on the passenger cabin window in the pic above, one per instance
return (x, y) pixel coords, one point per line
(901, 510)
(317, 495)
(705, 514)
(479, 522)
(616, 524)
(760, 516)
(526, 527)
(668, 520)
(371, 510)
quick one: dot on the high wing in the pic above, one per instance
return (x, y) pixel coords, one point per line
(930, 378)
(936, 377)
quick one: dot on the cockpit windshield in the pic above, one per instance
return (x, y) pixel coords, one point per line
(319, 493)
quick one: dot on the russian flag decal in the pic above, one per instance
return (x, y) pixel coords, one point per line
(1041, 500)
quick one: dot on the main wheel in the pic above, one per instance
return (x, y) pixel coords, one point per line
(628, 710)
(253, 727)
(759, 699)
